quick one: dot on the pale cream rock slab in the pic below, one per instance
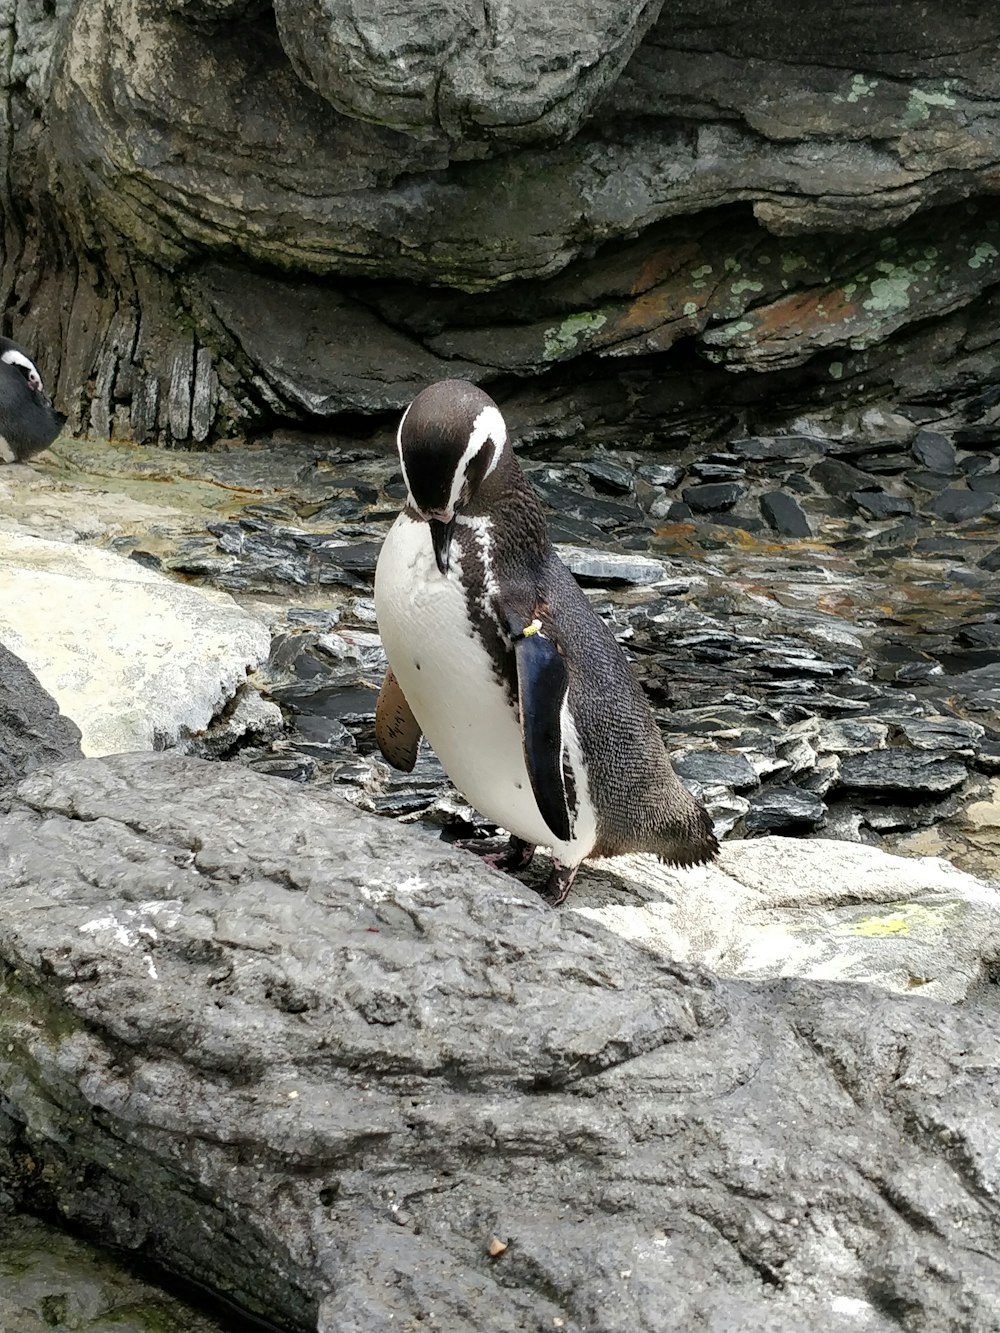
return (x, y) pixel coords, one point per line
(814, 908)
(138, 661)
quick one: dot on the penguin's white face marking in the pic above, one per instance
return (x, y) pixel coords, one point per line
(488, 428)
(15, 358)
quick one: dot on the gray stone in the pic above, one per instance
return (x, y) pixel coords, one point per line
(712, 496)
(611, 566)
(903, 773)
(784, 514)
(33, 732)
(935, 452)
(331, 1068)
(49, 1280)
(709, 767)
(780, 809)
(522, 75)
(956, 505)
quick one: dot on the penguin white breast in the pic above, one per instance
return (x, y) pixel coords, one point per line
(446, 674)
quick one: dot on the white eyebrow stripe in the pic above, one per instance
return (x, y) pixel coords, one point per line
(399, 449)
(489, 425)
(15, 358)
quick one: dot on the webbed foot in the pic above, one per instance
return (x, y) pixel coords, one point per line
(515, 856)
(559, 883)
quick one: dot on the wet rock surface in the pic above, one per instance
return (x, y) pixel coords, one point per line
(33, 732)
(49, 1280)
(556, 1127)
(845, 683)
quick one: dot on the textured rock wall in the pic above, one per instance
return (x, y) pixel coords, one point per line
(222, 213)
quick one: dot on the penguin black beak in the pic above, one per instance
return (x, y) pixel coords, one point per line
(441, 535)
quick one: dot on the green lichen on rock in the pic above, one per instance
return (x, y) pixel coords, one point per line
(563, 339)
(919, 105)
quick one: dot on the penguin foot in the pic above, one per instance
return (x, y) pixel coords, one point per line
(559, 883)
(515, 856)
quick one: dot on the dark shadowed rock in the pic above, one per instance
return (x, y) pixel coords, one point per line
(935, 452)
(879, 504)
(33, 732)
(49, 1280)
(712, 496)
(348, 1078)
(841, 479)
(784, 514)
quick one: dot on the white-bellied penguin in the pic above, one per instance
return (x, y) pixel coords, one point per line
(27, 422)
(497, 657)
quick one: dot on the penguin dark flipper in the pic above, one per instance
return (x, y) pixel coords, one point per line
(396, 729)
(542, 681)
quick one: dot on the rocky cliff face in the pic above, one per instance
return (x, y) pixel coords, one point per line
(222, 214)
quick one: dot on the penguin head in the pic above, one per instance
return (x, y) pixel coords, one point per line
(451, 438)
(11, 355)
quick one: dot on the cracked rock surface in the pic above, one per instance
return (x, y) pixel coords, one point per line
(341, 1075)
(257, 213)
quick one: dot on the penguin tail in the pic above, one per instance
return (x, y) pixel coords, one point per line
(688, 840)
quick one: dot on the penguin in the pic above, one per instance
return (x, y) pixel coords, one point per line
(28, 423)
(496, 656)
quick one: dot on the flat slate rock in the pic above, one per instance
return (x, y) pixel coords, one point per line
(784, 514)
(715, 767)
(712, 495)
(901, 772)
(935, 452)
(353, 1080)
(958, 504)
(784, 809)
(598, 566)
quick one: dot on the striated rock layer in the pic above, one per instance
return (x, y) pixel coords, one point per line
(350, 1079)
(223, 214)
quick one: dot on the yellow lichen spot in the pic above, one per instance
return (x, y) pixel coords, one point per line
(873, 926)
(534, 628)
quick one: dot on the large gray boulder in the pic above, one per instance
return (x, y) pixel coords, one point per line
(354, 1080)
(261, 212)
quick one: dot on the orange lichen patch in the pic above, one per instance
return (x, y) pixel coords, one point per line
(803, 312)
(681, 530)
(662, 305)
(666, 263)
